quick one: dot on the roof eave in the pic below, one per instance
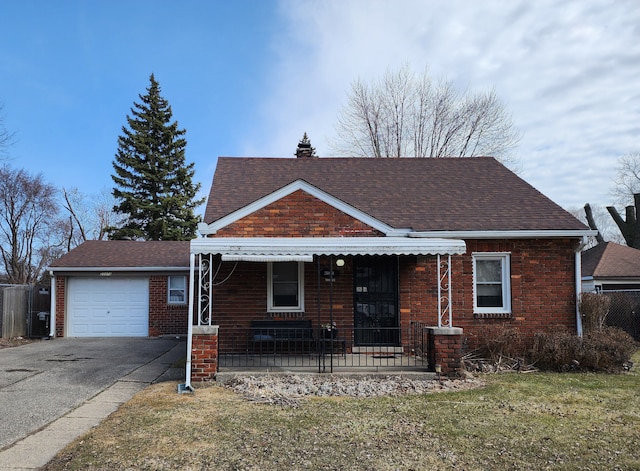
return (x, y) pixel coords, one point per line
(511, 234)
(106, 268)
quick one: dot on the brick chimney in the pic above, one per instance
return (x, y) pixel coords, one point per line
(304, 149)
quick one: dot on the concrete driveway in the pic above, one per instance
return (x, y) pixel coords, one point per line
(46, 380)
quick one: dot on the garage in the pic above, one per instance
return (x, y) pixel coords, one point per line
(108, 307)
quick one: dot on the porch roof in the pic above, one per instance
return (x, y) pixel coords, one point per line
(266, 249)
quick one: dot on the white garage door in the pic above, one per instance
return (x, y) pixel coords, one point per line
(108, 307)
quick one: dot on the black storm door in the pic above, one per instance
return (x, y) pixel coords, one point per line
(376, 301)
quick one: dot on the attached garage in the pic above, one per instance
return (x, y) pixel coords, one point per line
(120, 288)
(108, 307)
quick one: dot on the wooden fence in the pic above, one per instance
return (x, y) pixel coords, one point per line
(22, 306)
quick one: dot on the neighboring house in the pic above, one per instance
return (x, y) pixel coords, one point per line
(120, 288)
(460, 244)
(610, 266)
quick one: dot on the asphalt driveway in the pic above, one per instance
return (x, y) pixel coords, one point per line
(42, 381)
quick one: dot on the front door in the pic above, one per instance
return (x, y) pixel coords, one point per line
(376, 301)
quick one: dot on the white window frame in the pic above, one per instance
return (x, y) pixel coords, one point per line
(270, 306)
(505, 259)
(184, 289)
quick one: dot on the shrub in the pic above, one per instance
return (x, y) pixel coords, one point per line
(608, 349)
(498, 342)
(594, 308)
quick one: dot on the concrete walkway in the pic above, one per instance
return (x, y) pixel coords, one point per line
(37, 449)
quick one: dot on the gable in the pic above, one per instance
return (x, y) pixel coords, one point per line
(297, 214)
(298, 208)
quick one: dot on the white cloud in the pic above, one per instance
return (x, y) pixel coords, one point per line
(566, 69)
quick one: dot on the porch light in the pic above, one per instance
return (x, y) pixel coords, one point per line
(340, 262)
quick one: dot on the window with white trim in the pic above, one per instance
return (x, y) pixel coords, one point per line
(177, 290)
(285, 287)
(491, 283)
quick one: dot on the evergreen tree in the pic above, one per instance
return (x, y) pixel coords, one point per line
(154, 187)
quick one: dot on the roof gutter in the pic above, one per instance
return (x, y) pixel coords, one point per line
(537, 234)
(578, 280)
(106, 269)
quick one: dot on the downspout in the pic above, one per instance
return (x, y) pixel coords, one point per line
(52, 316)
(186, 387)
(578, 264)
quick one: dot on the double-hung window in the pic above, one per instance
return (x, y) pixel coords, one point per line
(177, 290)
(285, 287)
(491, 283)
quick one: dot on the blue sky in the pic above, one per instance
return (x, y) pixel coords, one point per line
(248, 78)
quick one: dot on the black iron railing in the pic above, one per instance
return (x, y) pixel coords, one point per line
(324, 351)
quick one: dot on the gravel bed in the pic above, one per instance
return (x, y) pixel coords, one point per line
(288, 389)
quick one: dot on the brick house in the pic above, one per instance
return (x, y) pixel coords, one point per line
(459, 246)
(402, 258)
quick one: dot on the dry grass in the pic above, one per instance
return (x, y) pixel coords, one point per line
(518, 421)
(14, 342)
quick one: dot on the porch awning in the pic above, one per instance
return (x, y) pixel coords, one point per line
(267, 249)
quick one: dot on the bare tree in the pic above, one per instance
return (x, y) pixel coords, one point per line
(89, 216)
(630, 226)
(404, 115)
(627, 180)
(592, 223)
(77, 213)
(6, 138)
(600, 221)
(27, 214)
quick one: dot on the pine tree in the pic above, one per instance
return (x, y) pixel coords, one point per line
(154, 186)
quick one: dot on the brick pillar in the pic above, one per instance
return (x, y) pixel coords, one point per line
(445, 349)
(61, 289)
(204, 353)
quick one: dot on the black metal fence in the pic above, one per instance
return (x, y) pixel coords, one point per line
(624, 311)
(242, 349)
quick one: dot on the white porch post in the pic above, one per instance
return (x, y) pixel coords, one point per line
(192, 259)
(205, 289)
(445, 314)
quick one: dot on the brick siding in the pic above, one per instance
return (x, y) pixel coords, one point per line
(298, 215)
(204, 356)
(61, 293)
(165, 318)
(542, 291)
(542, 277)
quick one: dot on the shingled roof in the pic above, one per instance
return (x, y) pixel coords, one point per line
(611, 260)
(106, 254)
(444, 194)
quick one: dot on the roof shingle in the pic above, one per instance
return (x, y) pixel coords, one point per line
(126, 253)
(611, 260)
(448, 194)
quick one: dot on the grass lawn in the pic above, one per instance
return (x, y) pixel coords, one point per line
(531, 421)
